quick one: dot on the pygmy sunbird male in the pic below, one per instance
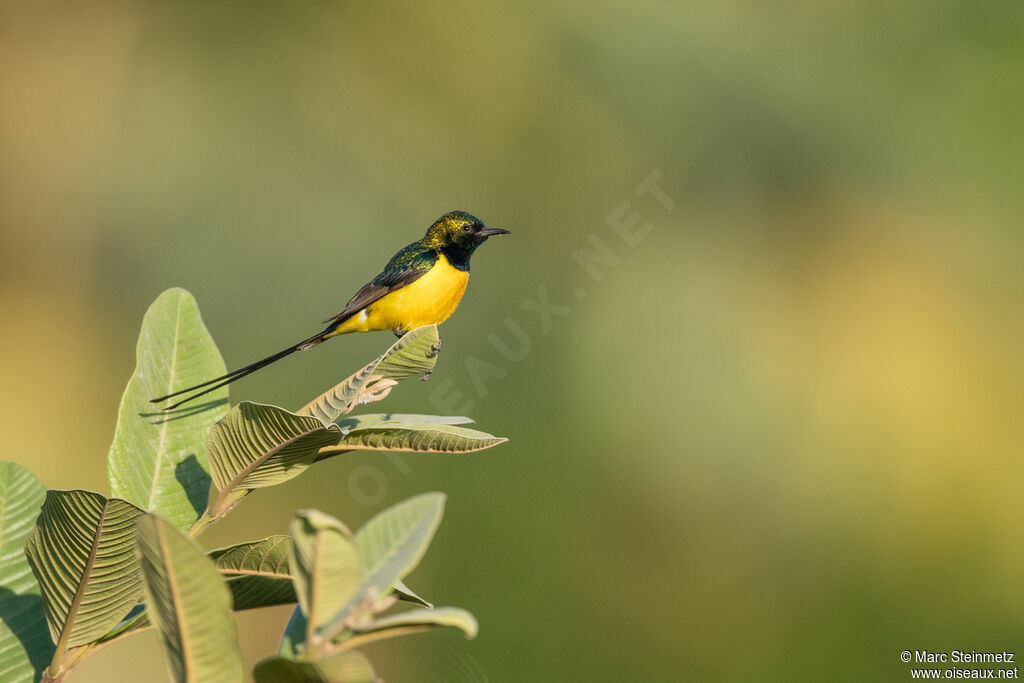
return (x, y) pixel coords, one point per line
(421, 285)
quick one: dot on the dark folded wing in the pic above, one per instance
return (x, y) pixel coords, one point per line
(407, 266)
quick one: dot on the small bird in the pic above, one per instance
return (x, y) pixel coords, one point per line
(421, 285)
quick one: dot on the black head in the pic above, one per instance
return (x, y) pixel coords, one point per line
(457, 234)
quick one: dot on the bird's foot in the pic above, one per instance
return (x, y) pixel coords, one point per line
(399, 332)
(426, 375)
(436, 348)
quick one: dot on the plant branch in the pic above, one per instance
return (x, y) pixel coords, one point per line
(199, 526)
(72, 657)
(225, 502)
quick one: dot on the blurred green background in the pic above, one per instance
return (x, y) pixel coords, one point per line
(780, 439)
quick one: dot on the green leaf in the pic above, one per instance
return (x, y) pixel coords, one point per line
(137, 620)
(419, 438)
(325, 566)
(390, 546)
(377, 419)
(394, 541)
(158, 460)
(82, 553)
(439, 616)
(294, 638)
(405, 594)
(415, 621)
(257, 573)
(189, 605)
(347, 667)
(412, 355)
(258, 445)
(25, 645)
(259, 576)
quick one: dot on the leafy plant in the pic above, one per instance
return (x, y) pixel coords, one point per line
(80, 570)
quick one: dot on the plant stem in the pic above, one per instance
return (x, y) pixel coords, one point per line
(59, 670)
(79, 655)
(200, 524)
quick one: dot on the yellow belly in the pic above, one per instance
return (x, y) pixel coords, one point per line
(429, 300)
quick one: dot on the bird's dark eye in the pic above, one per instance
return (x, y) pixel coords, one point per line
(467, 227)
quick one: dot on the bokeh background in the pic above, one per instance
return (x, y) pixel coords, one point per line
(780, 439)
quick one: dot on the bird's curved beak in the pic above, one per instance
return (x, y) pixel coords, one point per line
(487, 232)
